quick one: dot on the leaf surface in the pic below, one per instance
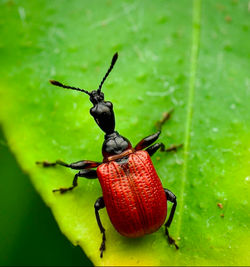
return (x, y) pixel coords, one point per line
(190, 56)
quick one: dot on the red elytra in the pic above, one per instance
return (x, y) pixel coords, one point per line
(133, 194)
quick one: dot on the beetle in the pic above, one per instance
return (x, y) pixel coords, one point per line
(133, 194)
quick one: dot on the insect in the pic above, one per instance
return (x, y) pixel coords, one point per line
(133, 194)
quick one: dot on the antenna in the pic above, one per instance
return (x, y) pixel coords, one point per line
(56, 83)
(115, 56)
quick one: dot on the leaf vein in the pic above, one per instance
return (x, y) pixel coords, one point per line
(196, 23)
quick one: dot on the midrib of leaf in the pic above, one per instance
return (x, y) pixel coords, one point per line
(191, 88)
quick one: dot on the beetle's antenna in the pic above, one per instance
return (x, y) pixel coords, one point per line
(115, 56)
(56, 83)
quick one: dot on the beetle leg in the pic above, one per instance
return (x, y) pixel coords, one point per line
(165, 117)
(172, 198)
(152, 149)
(147, 141)
(99, 204)
(79, 165)
(89, 174)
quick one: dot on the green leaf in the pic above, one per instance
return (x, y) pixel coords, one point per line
(192, 56)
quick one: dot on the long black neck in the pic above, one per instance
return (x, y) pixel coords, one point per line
(114, 143)
(104, 116)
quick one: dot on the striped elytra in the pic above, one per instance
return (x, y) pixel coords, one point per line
(133, 194)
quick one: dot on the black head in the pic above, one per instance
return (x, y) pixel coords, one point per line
(102, 111)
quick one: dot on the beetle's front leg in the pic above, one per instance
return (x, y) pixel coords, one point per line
(172, 198)
(152, 149)
(89, 174)
(79, 165)
(165, 117)
(147, 141)
(85, 171)
(99, 204)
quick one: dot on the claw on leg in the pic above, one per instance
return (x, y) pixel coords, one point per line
(171, 241)
(172, 148)
(99, 204)
(63, 190)
(103, 247)
(46, 163)
(165, 117)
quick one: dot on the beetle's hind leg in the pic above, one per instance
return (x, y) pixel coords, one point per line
(172, 198)
(89, 174)
(99, 204)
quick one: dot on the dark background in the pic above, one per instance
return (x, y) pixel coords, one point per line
(27, 224)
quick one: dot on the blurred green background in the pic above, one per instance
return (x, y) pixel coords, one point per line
(29, 234)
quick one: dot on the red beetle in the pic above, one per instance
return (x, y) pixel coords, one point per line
(132, 191)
